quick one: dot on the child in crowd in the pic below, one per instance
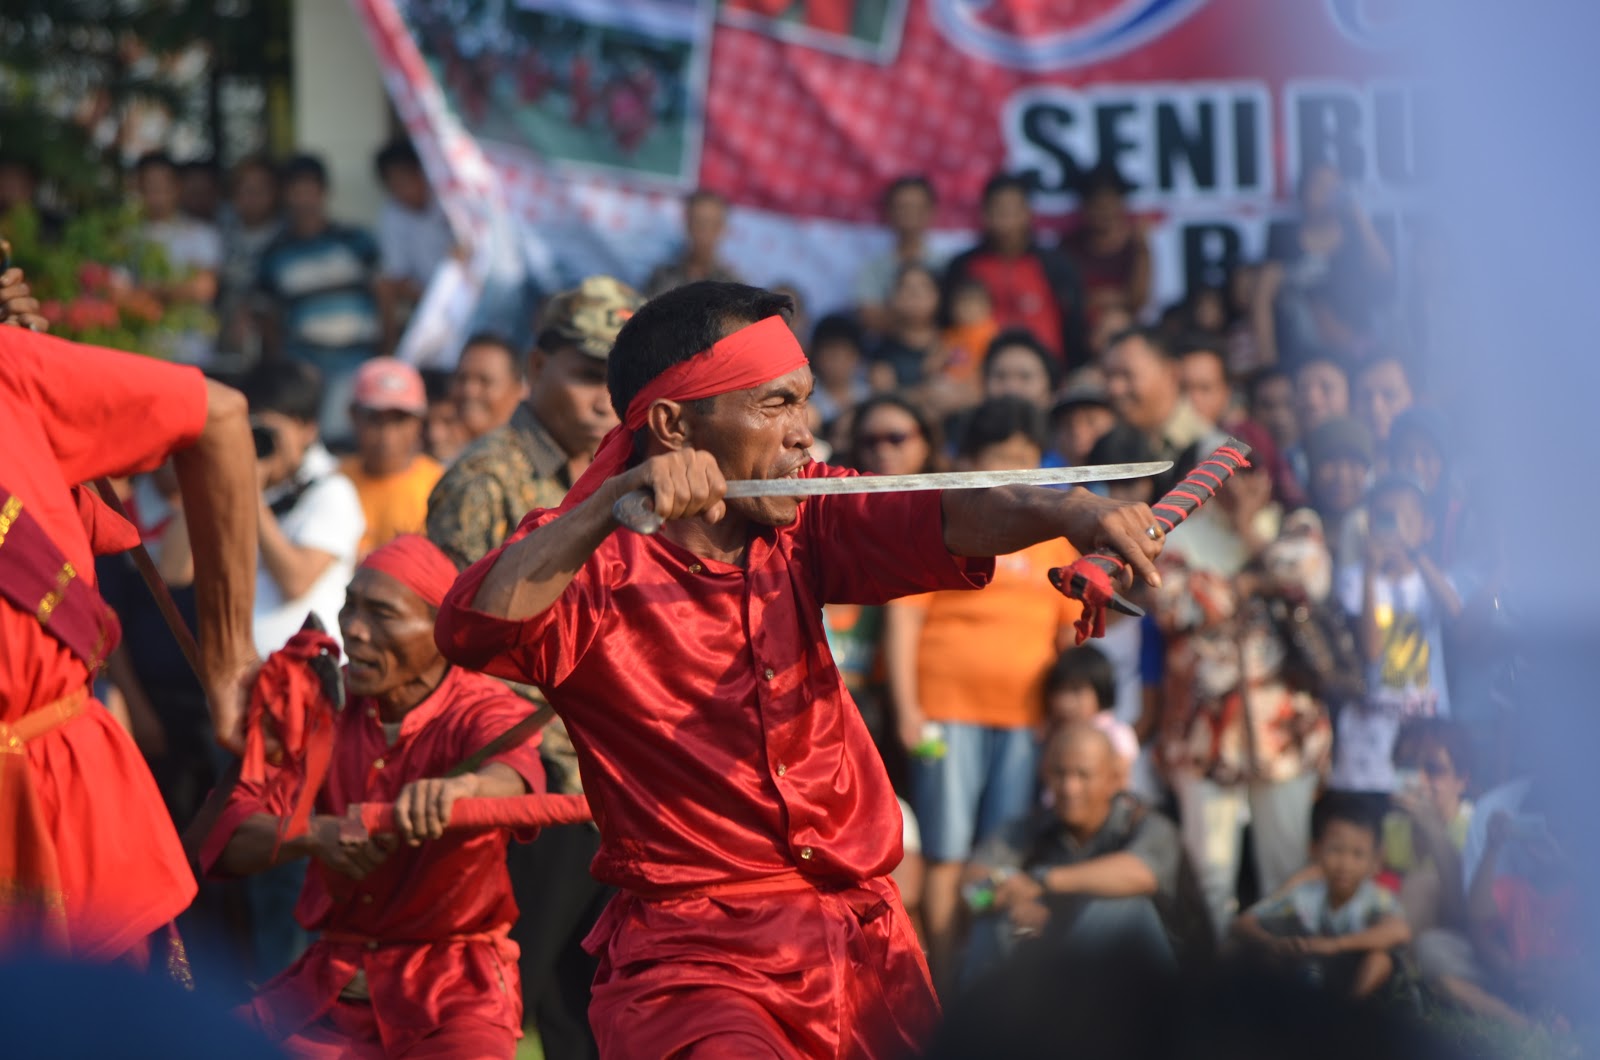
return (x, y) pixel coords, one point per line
(1425, 832)
(1081, 687)
(1339, 456)
(836, 358)
(972, 328)
(1400, 601)
(1339, 927)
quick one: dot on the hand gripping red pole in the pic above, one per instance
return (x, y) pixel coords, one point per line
(1093, 578)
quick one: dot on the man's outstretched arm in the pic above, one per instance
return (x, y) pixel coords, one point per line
(1006, 519)
(217, 477)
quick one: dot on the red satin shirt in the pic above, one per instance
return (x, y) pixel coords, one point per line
(69, 414)
(429, 926)
(716, 738)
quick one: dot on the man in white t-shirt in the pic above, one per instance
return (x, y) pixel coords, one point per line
(310, 515)
(1400, 600)
(193, 251)
(414, 235)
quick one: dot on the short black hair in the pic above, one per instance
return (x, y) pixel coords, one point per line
(1122, 444)
(1348, 808)
(1421, 735)
(395, 153)
(1408, 368)
(1020, 337)
(704, 195)
(927, 426)
(910, 181)
(208, 166)
(1085, 667)
(1199, 342)
(260, 162)
(1328, 359)
(1155, 338)
(436, 383)
(1256, 382)
(154, 160)
(837, 327)
(494, 338)
(1000, 419)
(673, 327)
(305, 166)
(1003, 182)
(289, 388)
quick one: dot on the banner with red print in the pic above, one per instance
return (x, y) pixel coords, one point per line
(599, 115)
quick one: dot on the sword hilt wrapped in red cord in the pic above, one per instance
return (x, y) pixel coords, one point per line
(1093, 578)
(481, 815)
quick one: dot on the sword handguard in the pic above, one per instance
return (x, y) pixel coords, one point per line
(635, 510)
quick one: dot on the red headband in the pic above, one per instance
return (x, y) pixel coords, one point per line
(751, 356)
(417, 563)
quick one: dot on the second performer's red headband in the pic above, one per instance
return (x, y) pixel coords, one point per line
(751, 356)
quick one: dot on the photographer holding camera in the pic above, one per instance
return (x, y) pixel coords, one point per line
(310, 515)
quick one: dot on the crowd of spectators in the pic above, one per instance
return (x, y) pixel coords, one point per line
(1293, 693)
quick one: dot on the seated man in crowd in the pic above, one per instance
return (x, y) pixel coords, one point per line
(409, 961)
(1340, 927)
(1096, 868)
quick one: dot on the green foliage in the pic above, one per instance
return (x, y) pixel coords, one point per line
(94, 283)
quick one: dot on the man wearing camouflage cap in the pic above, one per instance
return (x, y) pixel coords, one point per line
(530, 463)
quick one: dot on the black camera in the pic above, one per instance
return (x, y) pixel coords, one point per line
(266, 440)
(1385, 522)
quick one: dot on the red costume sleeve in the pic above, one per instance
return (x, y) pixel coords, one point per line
(493, 718)
(84, 395)
(877, 547)
(540, 650)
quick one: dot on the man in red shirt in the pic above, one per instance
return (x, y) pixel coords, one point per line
(1030, 286)
(89, 862)
(413, 956)
(742, 808)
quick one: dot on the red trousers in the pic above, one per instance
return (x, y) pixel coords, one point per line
(349, 1031)
(801, 971)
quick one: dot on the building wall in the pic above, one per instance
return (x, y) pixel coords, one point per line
(340, 110)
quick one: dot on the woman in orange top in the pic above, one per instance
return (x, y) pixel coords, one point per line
(974, 664)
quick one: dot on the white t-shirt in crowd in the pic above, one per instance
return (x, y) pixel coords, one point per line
(1407, 681)
(328, 518)
(411, 245)
(190, 246)
(187, 243)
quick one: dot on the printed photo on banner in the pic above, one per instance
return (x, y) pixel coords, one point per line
(611, 84)
(862, 29)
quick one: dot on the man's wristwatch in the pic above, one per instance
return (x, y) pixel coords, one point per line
(1041, 875)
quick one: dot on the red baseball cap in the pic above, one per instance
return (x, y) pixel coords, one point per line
(384, 383)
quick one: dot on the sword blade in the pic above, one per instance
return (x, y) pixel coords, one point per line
(949, 480)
